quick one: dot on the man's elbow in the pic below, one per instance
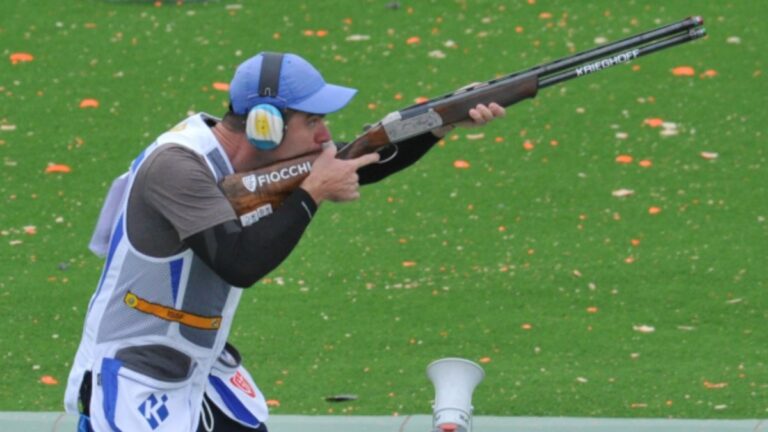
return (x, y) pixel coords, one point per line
(240, 278)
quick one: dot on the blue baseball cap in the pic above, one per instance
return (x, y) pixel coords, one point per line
(300, 88)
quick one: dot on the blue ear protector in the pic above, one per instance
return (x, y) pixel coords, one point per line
(264, 125)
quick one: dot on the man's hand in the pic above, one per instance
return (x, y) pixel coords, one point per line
(479, 115)
(335, 179)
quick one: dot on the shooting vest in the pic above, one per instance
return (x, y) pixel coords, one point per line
(167, 306)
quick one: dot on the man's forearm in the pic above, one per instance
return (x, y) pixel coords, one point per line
(407, 153)
(243, 255)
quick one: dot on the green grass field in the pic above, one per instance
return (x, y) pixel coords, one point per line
(576, 302)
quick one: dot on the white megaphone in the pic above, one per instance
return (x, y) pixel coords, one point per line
(454, 379)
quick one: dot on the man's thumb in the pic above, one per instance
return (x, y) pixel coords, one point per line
(329, 146)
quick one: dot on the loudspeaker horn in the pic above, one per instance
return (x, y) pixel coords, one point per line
(454, 379)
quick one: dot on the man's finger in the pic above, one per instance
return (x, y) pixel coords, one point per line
(485, 113)
(329, 150)
(497, 110)
(475, 115)
(366, 159)
(480, 114)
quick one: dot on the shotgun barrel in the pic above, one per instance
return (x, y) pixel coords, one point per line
(647, 42)
(628, 49)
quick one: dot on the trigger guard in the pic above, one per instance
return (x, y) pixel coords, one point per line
(392, 156)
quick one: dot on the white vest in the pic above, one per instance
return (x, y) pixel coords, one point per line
(123, 311)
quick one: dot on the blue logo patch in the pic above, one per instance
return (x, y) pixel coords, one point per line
(154, 410)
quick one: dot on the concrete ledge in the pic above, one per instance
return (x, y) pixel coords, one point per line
(59, 422)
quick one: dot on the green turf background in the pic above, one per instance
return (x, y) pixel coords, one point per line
(520, 239)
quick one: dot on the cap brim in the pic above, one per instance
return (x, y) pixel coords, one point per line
(328, 99)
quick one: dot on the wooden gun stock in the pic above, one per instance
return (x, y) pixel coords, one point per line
(256, 193)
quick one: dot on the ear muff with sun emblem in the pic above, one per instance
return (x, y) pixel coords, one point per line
(264, 127)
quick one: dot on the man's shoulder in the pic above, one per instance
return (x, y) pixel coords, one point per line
(172, 161)
(170, 153)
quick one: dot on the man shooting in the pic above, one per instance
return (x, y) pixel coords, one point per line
(154, 354)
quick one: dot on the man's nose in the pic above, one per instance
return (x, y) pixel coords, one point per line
(322, 134)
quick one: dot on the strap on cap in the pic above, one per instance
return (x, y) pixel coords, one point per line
(269, 81)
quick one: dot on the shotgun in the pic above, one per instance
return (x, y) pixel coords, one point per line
(255, 194)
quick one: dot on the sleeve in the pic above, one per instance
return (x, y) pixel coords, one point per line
(178, 184)
(398, 157)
